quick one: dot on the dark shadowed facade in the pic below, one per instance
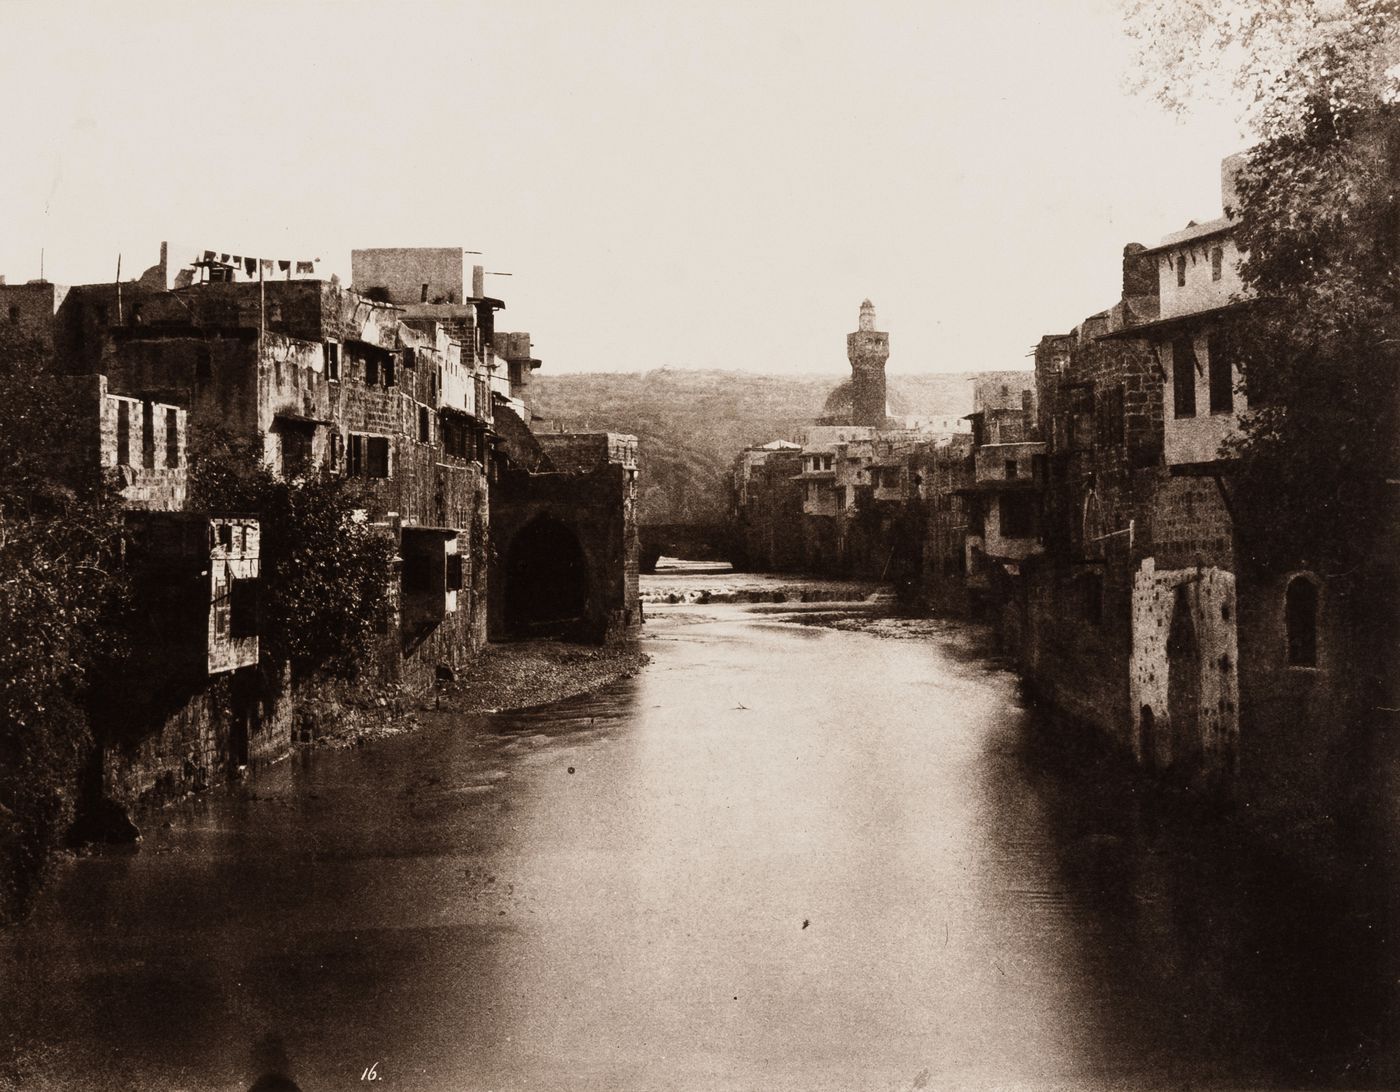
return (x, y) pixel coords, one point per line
(565, 546)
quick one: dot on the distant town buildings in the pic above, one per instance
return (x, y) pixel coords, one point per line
(854, 472)
(1088, 515)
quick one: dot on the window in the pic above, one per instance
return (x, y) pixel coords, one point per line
(454, 572)
(148, 435)
(296, 449)
(244, 608)
(1222, 385)
(123, 433)
(372, 370)
(14, 313)
(424, 428)
(333, 360)
(389, 370)
(456, 438)
(1010, 468)
(369, 456)
(172, 437)
(423, 296)
(1181, 270)
(1109, 417)
(1300, 620)
(1081, 424)
(221, 606)
(1217, 260)
(1183, 377)
(377, 456)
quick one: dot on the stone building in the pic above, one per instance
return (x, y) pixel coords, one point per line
(563, 559)
(1099, 409)
(565, 548)
(1263, 678)
(1144, 622)
(768, 492)
(944, 475)
(400, 389)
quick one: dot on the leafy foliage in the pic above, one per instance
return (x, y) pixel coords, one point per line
(325, 572)
(60, 588)
(1317, 219)
(1271, 58)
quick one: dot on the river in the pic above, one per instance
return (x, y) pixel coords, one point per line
(789, 854)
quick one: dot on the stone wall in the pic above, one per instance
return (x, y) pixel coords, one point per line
(27, 312)
(1190, 524)
(1184, 690)
(599, 507)
(403, 271)
(146, 479)
(1310, 734)
(238, 719)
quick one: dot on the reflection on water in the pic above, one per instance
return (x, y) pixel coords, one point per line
(783, 857)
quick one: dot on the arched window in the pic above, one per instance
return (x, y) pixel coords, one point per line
(1300, 620)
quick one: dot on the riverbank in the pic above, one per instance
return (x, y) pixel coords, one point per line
(502, 678)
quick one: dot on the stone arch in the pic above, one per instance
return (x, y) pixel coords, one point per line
(1301, 600)
(546, 580)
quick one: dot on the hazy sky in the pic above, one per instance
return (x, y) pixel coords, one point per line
(672, 184)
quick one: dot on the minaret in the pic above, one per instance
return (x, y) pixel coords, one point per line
(868, 349)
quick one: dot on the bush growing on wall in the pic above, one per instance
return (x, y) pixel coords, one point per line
(325, 572)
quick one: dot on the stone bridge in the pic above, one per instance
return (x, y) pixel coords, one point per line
(692, 541)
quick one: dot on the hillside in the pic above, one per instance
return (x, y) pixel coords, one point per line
(692, 423)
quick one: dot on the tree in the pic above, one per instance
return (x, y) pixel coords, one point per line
(60, 590)
(1272, 59)
(1317, 219)
(325, 572)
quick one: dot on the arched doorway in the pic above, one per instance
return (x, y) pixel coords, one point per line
(546, 593)
(1184, 687)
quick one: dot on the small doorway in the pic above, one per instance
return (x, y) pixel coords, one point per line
(1184, 688)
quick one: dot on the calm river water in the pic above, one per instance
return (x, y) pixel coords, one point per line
(785, 856)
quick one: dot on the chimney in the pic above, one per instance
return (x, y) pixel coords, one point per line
(1139, 272)
(478, 281)
(1231, 167)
